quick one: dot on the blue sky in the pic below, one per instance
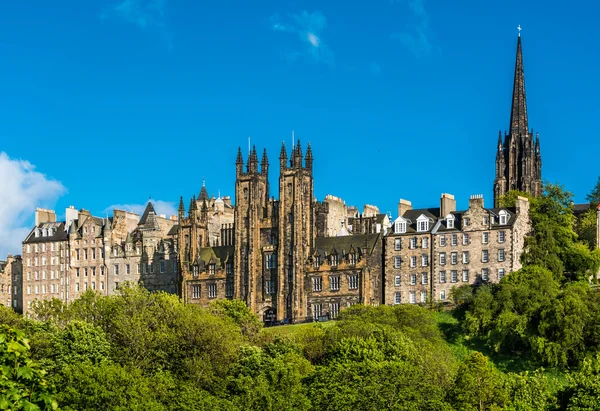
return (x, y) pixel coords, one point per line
(109, 102)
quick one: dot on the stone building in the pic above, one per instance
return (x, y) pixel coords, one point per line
(63, 259)
(11, 271)
(266, 258)
(518, 158)
(432, 250)
(343, 271)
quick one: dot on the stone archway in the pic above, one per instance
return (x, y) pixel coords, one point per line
(269, 316)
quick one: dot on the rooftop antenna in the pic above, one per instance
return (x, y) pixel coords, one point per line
(519, 28)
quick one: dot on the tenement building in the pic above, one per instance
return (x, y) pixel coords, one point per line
(432, 250)
(518, 158)
(63, 259)
(10, 277)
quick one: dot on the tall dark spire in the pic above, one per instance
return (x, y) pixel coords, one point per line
(282, 156)
(264, 164)
(518, 114)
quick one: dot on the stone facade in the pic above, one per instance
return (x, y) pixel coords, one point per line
(11, 271)
(64, 259)
(518, 159)
(432, 250)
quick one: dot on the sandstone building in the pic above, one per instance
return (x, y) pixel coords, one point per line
(432, 250)
(11, 271)
(518, 158)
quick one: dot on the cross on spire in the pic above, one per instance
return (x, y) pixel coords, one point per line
(519, 28)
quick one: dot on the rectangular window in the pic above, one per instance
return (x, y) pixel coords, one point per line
(101, 270)
(465, 275)
(443, 295)
(465, 239)
(425, 242)
(454, 276)
(116, 285)
(76, 272)
(127, 269)
(85, 272)
(501, 236)
(229, 269)
(442, 277)
(413, 243)
(151, 268)
(77, 255)
(116, 269)
(422, 226)
(500, 273)
(423, 297)
(334, 260)
(484, 274)
(162, 266)
(486, 220)
(212, 291)
(454, 258)
(424, 278)
(102, 285)
(465, 257)
(413, 261)
(412, 297)
(501, 255)
(485, 237)
(334, 282)
(397, 261)
(413, 279)
(398, 244)
(195, 292)
(397, 297)
(85, 253)
(316, 311)
(138, 268)
(269, 287)
(442, 241)
(334, 310)
(228, 288)
(353, 282)
(484, 256)
(424, 260)
(93, 253)
(397, 280)
(317, 284)
(442, 258)
(454, 239)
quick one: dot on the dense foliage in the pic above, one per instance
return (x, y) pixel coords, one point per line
(148, 351)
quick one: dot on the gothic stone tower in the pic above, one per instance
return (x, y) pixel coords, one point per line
(518, 159)
(253, 226)
(296, 230)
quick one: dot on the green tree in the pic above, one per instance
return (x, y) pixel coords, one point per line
(81, 342)
(529, 392)
(23, 385)
(478, 385)
(240, 314)
(593, 197)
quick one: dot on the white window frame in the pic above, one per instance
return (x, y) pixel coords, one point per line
(501, 236)
(442, 277)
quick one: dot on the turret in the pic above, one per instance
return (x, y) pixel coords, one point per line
(193, 207)
(282, 157)
(309, 158)
(253, 161)
(239, 163)
(181, 210)
(264, 164)
(297, 156)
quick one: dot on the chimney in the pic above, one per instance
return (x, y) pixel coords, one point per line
(447, 204)
(403, 207)
(476, 200)
(43, 215)
(71, 214)
(227, 200)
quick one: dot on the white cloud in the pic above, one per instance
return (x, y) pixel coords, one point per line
(308, 28)
(22, 189)
(145, 14)
(162, 207)
(416, 36)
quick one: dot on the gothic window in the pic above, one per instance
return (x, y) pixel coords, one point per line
(270, 261)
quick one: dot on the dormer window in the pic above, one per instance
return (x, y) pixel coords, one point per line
(503, 217)
(422, 224)
(352, 258)
(450, 221)
(211, 269)
(334, 260)
(317, 262)
(195, 271)
(37, 232)
(400, 227)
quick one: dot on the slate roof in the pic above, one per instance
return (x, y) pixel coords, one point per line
(174, 230)
(149, 208)
(59, 233)
(325, 246)
(217, 255)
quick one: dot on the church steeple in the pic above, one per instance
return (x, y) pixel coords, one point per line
(518, 115)
(518, 160)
